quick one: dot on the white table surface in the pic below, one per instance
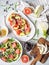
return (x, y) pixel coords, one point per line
(12, 35)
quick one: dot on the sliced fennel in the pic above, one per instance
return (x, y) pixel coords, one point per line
(42, 48)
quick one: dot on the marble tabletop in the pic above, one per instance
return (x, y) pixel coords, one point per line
(2, 14)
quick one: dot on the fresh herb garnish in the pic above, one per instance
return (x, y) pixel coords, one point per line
(45, 33)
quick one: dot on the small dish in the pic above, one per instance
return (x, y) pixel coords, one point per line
(3, 31)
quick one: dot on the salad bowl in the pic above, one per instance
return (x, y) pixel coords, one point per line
(28, 31)
(10, 50)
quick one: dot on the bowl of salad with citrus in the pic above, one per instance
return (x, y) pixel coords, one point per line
(10, 50)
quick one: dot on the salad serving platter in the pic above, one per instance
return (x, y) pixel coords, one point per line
(25, 37)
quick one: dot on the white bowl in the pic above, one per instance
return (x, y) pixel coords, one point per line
(4, 27)
(20, 54)
(26, 37)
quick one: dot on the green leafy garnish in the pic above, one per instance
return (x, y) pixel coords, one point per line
(11, 39)
(45, 33)
(1, 54)
(1, 46)
(9, 60)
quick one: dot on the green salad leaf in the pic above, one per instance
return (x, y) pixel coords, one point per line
(9, 60)
(1, 54)
(44, 33)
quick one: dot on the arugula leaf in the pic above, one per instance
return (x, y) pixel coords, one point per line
(5, 54)
(1, 54)
(9, 60)
(11, 40)
(2, 45)
(45, 33)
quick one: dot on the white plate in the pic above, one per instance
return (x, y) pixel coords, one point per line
(26, 37)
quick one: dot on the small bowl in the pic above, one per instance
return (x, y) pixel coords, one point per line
(4, 28)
